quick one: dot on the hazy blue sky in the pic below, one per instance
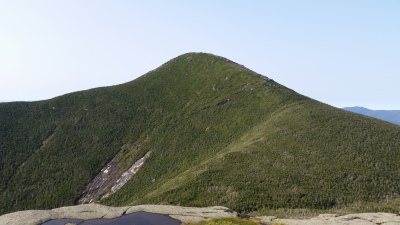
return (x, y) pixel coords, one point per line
(341, 52)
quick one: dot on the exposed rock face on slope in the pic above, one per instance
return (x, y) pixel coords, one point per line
(94, 211)
(111, 179)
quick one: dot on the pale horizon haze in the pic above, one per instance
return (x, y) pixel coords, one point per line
(340, 52)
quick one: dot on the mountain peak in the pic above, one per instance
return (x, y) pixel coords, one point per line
(218, 133)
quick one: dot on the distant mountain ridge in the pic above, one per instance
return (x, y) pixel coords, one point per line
(205, 131)
(391, 116)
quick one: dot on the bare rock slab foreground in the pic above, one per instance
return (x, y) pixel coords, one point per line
(185, 215)
(94, 211)
(351, 219)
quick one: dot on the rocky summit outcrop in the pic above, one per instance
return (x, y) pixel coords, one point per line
(186, 214)
(334, 219)
(94, 211)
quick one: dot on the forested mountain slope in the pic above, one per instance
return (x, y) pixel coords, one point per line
(219, 134)
(391, 116)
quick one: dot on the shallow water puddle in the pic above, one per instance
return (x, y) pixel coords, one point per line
(138, 218)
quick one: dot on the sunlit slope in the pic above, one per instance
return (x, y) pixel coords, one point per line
(220, 134)
(291, 161)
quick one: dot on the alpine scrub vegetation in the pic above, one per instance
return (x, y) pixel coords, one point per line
(220, 134)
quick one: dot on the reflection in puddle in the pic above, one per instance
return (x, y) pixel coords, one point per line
(138, 218)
